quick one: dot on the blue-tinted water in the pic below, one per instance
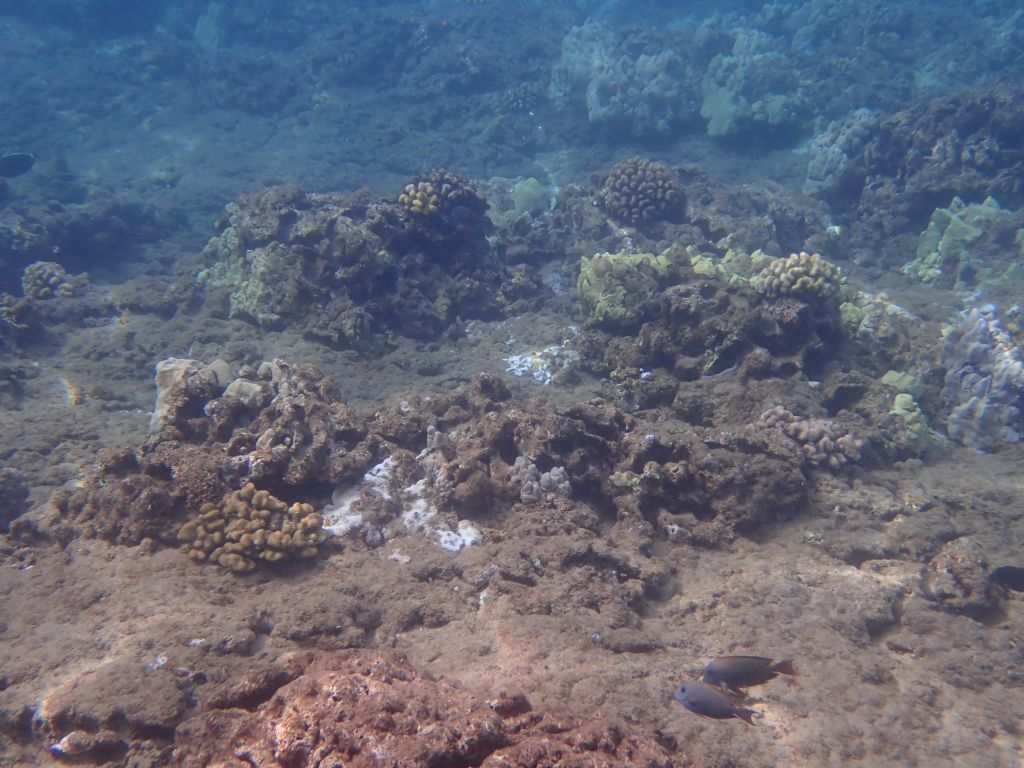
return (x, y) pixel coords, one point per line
(360, 359)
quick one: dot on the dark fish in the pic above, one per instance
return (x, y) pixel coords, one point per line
(16, 164)
(735, 672)
(710, 702)
(1010, 576)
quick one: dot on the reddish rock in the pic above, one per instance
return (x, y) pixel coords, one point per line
(374, 712)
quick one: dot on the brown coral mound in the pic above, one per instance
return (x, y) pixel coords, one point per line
(375, 712)
(640, 190)
(251, 525)
(442, 194)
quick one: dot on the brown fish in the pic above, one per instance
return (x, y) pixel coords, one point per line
(711, 702)
(735, 672)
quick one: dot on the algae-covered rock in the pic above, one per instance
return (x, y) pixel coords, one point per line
(803, 274)
(613, 287)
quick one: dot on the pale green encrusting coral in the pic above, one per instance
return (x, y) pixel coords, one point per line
(917, 435)
(903, 382)
(612, 285)
(950, 252)
(232, 269)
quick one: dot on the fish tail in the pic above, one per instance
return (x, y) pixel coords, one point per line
(784, 667)
(746, 715)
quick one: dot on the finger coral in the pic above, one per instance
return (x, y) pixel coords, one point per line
(249, 526)
(800, 274)
(639, 190)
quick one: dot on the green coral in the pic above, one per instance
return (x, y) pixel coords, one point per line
(903, 382)
(612, 286)
(530, 195)
(238, 270)
(719, 268)
(917, 435)
(949, 250)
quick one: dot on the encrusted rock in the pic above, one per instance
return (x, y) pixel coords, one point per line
(957, 579)
(14, 494)
(374, 712)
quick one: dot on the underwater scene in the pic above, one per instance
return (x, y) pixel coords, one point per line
(512, 383)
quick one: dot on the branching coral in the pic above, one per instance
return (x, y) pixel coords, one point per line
(249, 526)
(46, 280)
(640, 190)
(822, 442)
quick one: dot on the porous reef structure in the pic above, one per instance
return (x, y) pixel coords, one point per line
(347, 271)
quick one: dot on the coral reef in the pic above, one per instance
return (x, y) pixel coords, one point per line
(276, 425)
(350, 271)
(250, 526)
(46, 280)
(800, 274)
(984, 379)
(752, 90)
(823, 442)
(638, 191)
(885, 174)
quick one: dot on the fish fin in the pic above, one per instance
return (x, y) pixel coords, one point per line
(784, 667)
(746, 715)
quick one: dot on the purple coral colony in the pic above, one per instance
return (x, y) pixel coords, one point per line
(507, 384)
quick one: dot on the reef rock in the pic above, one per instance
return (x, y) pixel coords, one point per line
(373, 711)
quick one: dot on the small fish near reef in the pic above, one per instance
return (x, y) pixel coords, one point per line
(16, 164)
(710, 702)
(1010, 576)
(736, 672)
